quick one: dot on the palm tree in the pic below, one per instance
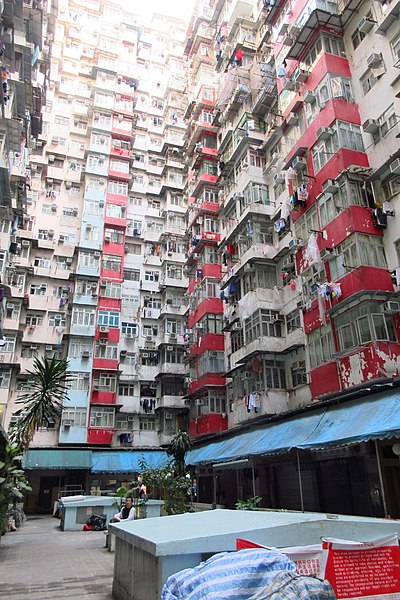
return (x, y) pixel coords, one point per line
(48, 389)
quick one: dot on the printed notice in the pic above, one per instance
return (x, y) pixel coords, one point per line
(364, 571)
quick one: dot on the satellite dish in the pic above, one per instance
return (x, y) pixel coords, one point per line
(396, 449)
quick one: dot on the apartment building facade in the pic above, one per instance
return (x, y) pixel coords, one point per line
(307, 113)
(101, 245)
(210, 239)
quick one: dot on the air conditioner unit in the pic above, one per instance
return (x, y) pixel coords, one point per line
(103, 341)
(130, 418)
(374, 59)
(292, 119)
(370, 125)
(287, 262)
(279, 319)
(301, 75)
(54, 207)
(299, 162)
(295, 243)
(365, 25)
(107, 237)
(67, 423)
(68, 184)
(117, 143)
(394, 167)
(199, 402)
(198, 326)
(25, 243)
(309, 97)
(391, 307)
(85, 354)
(103, 329)
(324, 133)
(279, 178)
(328, 254)
(52, 158)
(69, 261)
(330, 186)
(103, 284)
(97, 254)
(149, 338)
(61, 239)
(170, 348)
(168, 416)
(50, 233)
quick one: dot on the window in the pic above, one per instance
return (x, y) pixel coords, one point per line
(129, 328)
(79, 382)
(112, 290)
(39, 261)
(306, 224)
(105, 382)
(12, 310)
(367, 81)
(115, 211)
(77, 346)
(37, 289)
(43, 234)
(126, 389)
(153, 276)
(350, 136)
(147, 424)
(46, 209)
(358, 36)
(363, 324)
(5, 379)
(34, 320)
(108, 318)
(323, 151)
(386, 122)
(293, 321)
(358, 249)
(75, 417)
(61, 120)
(101, 417)
(9, 345)
(57, 320)
(88, 259)
(111, 262)
(320, 346)
(83, 317)
(131, 275)
(298, 373)
(108, 351)
(262, 323)
(117, 187)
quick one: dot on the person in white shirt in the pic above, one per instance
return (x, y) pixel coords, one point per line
(127, 513)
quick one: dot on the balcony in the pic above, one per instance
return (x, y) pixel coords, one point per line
(105, 364)
(172, 369)
(73, 435)
(390, 16)
(96, 194)
(99, 167)
(82, 330)
(91, 271)
(122, 127)
(100, 436)
(206, 424)
(100, 396)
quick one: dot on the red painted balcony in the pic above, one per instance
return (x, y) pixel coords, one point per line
(112, 248)
(120, 152)
(209, 341)
(117, 222)
(105, 364)
(112, 334)
(99, 435)
(202, 180)
(212, 423)
(103, 397)
(115, 275)
(118, 173)
(212, 306)
(208, 380)
(324, 380)
(109, 303)
(118, 127)
(121, 199)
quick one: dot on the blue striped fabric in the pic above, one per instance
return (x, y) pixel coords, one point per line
(233, 575)
(292, 586)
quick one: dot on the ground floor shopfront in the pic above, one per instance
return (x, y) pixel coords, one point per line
(336, 459)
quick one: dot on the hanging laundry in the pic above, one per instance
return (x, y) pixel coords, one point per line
(388, 209)
(280, 225)
(249, 229)
(312, 253)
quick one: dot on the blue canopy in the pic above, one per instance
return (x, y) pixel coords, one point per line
(126, 461)
(374, 417)
(57, 459)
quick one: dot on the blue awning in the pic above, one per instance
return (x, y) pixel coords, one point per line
(374, 417)
(126, 461)
(57, 459)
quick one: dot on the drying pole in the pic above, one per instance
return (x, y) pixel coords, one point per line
(378, 460)
(300, 482)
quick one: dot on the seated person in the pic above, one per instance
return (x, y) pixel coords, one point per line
(127, 513)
